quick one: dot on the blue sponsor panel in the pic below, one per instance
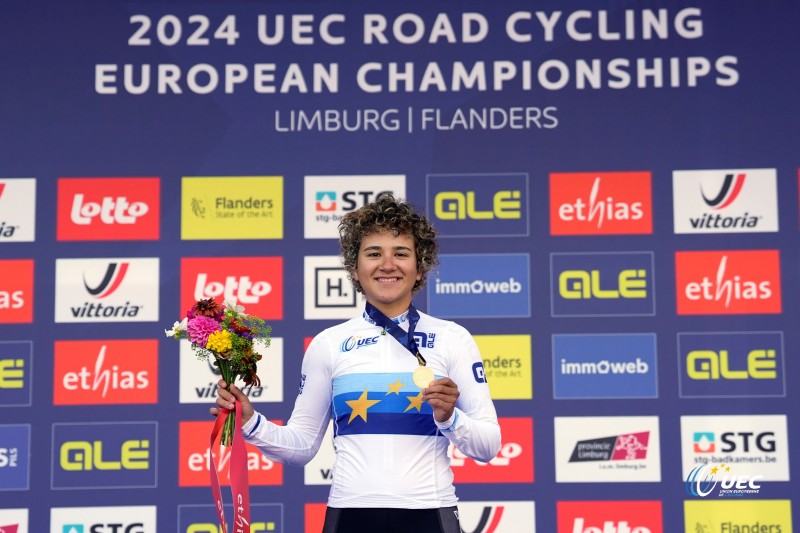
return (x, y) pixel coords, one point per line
(16, 367)
(264, 517)
(479, 205)
(605, 366)
(602, 284)
(731, 364)
(104, 455)
(15, 444)
(481, 286)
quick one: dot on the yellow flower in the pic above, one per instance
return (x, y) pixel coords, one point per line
(219, 341)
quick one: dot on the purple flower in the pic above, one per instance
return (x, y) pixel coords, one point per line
(199, 328)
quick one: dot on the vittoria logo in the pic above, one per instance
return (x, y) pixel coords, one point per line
(728, 282)
(16, 291)
(254, 282)
(17, 209)
(725, 201)
(107, 290)
(102, 209)
(105, 372)
(607, 203)
(497, 517)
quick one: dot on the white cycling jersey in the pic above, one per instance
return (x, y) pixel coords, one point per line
(390, 452)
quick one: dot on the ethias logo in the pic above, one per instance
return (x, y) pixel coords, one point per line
(728, 282)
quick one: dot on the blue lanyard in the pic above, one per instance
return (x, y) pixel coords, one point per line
(406, 338)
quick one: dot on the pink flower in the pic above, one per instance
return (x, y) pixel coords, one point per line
(199, 328)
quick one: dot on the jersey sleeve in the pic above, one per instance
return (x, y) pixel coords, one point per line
(473, 428)
(298, 441)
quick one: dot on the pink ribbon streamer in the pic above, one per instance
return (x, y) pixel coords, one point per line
(240, 484)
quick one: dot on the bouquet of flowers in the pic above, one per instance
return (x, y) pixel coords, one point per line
(224, 333)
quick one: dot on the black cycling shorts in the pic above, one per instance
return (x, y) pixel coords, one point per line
(386, 520)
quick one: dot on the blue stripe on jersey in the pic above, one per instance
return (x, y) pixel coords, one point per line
(410, 423)
(391, 405)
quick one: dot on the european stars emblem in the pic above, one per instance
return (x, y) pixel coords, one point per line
(359, 407)
(414, 402)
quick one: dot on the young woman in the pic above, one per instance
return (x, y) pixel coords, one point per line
(399, 385)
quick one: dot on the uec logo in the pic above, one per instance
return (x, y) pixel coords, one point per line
(354, 343)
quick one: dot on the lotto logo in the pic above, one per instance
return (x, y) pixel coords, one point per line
(254, 282)
(512, 464)
(102, 209)
(609, 517)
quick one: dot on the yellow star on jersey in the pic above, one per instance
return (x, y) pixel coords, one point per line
(414, 402)
(394, 388)
(359, 407)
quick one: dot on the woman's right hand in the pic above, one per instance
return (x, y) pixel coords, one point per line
(225, 399)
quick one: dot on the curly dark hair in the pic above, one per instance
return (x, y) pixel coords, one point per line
(388, 214)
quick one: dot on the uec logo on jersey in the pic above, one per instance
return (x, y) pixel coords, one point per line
(356, 342)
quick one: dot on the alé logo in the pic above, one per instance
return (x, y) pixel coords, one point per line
(195, 455)
(605, 203)
(609, 517)
(16, 372)
(512, 464)
(99, 209)
(254, 282)
(725, 201)
(728, 282)
(105, 372)
(264, 517)
(16, 291)
(104, 455)
(107, 290)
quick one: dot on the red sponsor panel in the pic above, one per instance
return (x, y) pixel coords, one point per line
(728, 282)
(16, 291)
(609, 517)
(105, 372)
(314, 517)
(194, 459)
(253, 282)
(601, 203)
(108, 209)
(512, 464)
(306, 342)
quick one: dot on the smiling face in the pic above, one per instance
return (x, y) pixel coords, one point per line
(387, 271)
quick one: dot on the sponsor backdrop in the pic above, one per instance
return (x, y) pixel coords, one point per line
(615, 185)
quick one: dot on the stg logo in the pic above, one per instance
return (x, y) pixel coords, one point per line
(110, 210)
(101, 209)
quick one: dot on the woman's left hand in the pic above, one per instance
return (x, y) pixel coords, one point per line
(441, 395)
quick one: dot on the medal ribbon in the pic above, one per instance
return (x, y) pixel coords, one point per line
(240, 486)
(406, 338)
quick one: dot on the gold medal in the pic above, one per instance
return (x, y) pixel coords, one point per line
(423, 376)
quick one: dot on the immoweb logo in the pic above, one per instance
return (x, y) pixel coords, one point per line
(478, 286)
